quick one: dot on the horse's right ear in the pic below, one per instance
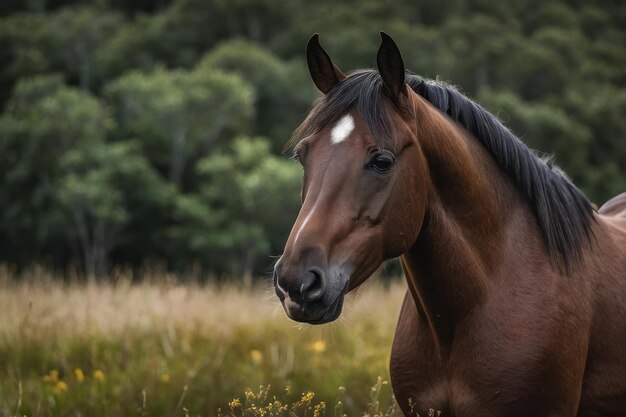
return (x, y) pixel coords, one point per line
(324, 73)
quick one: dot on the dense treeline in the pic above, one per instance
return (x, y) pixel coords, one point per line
(150, 131)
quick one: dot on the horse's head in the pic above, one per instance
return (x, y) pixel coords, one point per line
(364, 188)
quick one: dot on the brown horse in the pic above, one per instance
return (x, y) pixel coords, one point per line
(517, 287)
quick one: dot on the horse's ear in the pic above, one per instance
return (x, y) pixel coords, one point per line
(391, 69)
(324, 73)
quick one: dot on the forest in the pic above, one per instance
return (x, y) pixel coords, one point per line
(151, 132)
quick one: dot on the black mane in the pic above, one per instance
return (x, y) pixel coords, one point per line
(563, 212)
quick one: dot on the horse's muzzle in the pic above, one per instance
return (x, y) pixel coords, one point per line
(313, 296)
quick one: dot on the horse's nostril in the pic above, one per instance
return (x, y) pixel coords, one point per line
(313, 285)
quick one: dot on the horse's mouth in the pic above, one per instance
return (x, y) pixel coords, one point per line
(315, 313)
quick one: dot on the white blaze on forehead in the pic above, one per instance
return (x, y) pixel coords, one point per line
(342, 129)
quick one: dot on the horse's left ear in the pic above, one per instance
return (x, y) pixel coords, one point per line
(391, 69)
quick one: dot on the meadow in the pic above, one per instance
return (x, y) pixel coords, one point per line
(159, 348)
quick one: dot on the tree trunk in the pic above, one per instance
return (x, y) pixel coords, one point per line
(100, 248)
(84, 66)
(248, 265)
(212, 135)
(178, 157)
(82, 231)
(94, 244)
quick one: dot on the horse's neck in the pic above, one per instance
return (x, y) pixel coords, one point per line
(469, 209)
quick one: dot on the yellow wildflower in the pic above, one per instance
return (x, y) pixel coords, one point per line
(318, 347)
(165, 378)
(53, 376)
(79, 375)
(235, 403)
(256, 355)
(308, 397)
(249, 394)
(319, 409)
(99, 375)
(59, 388)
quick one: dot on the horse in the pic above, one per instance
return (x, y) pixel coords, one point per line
(516, 300)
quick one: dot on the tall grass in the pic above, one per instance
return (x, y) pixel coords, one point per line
(160, 349)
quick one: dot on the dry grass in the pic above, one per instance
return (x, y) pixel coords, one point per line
(160, 348)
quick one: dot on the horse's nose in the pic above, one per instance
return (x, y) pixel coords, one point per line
(309, 286)
(313, 285)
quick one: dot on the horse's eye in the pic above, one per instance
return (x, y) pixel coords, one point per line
(297, 157)
(382, 163)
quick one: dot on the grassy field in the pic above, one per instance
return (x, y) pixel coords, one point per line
(162, 349)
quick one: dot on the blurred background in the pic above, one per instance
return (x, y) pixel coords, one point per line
(151, 131)
(140, 141)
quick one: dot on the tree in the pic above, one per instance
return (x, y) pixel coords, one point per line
(283, 92)
(96, 187)
(178, 114)
(45, 120)
(66, 189)
(246, 199)
(547, 129)
(601, 107)
(124, 114)
(67, 41)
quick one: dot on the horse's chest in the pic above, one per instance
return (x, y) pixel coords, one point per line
(423, 388)
(434, 395)
(503, 375)
(460, 385)
(419, 381)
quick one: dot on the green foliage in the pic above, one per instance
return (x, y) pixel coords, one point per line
(127, 127)
(68, 41)
(45, 121)
(178, 114)
(542, 126)
(96, 186)
(243, 209)
(280, 97)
